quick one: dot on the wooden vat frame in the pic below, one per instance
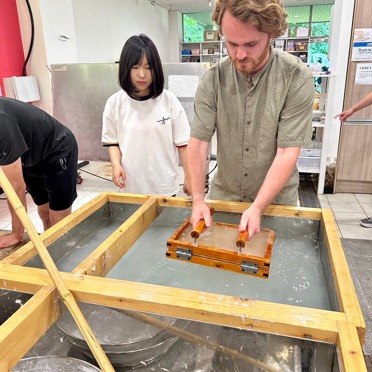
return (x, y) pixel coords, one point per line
(345, 328)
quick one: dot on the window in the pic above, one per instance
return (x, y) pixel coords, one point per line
(314, 17)
(194, 25)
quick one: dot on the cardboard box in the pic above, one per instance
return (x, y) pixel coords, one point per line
(301, 46)
(211, 36)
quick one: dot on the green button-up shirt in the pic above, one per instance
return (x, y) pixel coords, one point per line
(253, 116)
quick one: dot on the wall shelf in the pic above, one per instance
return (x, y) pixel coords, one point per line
(204, 52)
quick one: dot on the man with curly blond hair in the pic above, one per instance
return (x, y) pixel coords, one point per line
(259, 102)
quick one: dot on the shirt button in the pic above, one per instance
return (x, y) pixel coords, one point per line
(248, 122)
(247, 149)
(245, 174)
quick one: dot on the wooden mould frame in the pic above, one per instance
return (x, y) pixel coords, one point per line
(345, 328)
(221, 258)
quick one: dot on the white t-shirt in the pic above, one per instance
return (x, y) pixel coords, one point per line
(148, 133)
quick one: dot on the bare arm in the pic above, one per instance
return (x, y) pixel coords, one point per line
(278, 175)
(182, 150)
(118, 173)
(197, 152)
(366, 101)
(15, 176)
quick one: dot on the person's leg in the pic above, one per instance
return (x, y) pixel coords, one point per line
(61, 181)
(56, 216)
(50, 217)
(44, 214)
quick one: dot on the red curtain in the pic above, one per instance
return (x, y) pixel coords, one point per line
(11, 49)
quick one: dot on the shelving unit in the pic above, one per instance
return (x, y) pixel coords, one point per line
(312, 158)
(298, 46)
(205, 51)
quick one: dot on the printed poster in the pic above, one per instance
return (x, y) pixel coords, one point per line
(363, 74)
(362, 45)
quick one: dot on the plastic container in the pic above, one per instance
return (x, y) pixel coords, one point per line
(314, 149)
(308, 164)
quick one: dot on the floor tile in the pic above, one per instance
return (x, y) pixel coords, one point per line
(355, 232)
(349, 218)
(367, 207)
(364, 198)
(341, 198)
(340, 206)
(5, 225)
(324, 204)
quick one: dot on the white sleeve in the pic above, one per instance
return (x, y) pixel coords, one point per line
(109, 126)
(180, 123)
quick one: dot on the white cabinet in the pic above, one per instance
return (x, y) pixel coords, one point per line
(205, 52)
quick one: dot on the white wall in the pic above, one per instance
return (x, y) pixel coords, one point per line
(96, 31)
(103, 26)
(175, 35)
(37, 64)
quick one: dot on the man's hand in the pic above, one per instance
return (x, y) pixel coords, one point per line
(251, 221)
(200, 211)
(9, 240)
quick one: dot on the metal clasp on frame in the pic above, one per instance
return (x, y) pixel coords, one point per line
(184, 253)
(249, 267)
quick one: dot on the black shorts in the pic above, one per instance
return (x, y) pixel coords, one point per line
(54, 182)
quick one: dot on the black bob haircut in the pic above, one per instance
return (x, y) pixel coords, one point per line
(132, 54)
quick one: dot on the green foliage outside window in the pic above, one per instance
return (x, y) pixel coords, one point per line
(192, 31)
(320, 29)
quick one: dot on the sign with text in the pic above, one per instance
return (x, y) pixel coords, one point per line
(362, 45)
(363, 74)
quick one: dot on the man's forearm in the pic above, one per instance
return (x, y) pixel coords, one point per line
(196, 167)
(277, 177)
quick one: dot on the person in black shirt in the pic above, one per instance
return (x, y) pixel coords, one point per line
(40, 155)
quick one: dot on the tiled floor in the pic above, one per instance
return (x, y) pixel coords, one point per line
(348, 209)
(87, 190)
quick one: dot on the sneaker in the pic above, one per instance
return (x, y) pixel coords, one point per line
(366, 222)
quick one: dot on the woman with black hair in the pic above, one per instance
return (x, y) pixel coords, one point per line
(144, 125)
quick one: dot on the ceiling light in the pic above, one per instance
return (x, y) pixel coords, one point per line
(210, 3)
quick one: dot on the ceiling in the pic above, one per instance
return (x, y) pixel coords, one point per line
(199, 6)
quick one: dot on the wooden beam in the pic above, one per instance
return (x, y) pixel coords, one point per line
(28, 251)
(103, 259)
(347, 297)
(350, 354)
(231, 311)
(25, 327)
(209, 308)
